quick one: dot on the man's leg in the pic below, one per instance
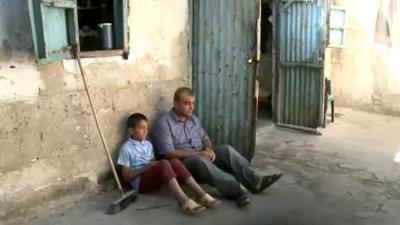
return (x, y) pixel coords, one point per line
(229, 160)
(205, 171)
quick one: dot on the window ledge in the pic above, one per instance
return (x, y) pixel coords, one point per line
(335, 46)
(102, 53)
(111, 56)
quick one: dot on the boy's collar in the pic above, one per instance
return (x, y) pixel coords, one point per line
(136, 142)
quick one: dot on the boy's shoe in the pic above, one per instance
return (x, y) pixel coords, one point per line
(243, 199)
(208, 201)
(265, 182)
(191, 207)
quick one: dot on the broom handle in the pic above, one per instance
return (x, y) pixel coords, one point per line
(103, 140)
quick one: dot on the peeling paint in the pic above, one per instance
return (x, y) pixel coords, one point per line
(41, 188)
(5, 51)
(20, 85)
(72, 82)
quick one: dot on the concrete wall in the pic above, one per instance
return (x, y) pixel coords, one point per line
(366, 74)
(51, 153)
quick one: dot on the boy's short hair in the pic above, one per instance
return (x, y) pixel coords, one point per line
(135, 119)
(180, 91)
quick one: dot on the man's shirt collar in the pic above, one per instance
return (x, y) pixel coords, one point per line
(176, 118)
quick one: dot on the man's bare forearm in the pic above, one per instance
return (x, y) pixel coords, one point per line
(181, 154)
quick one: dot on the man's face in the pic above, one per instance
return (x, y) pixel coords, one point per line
(185, 105)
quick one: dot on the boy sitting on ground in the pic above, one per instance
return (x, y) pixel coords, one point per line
(146, 175)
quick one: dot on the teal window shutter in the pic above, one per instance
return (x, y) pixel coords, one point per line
(121, 25)
(54, 29)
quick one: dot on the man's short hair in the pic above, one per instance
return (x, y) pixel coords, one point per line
(135, 119)
(180, 91)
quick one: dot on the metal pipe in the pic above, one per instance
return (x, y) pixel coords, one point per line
(300, 128)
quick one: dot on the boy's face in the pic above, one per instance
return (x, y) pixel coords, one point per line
(140, 131)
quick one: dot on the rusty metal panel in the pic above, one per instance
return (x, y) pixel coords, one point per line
(301, 27)
(224, 47)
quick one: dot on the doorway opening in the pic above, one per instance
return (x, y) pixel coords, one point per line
(265, 72)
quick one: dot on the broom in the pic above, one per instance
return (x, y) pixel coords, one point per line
(126, 197)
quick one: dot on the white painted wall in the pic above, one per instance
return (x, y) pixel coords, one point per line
(366, 74)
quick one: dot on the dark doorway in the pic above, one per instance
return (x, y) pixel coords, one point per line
(265, 73)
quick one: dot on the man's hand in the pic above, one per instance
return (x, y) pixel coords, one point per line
(209, 154)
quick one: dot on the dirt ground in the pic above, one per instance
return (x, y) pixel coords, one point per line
(349, 170)
(346, 176)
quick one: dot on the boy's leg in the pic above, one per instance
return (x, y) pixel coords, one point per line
(158, 175)
(184, 176)
(180, 196)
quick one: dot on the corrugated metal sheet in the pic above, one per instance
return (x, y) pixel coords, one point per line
(301, 49)
(224, 37)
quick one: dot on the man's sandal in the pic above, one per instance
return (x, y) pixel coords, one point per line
(208, 201)
(191, 207)
(266, 181)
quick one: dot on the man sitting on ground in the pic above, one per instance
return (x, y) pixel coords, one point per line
(179, 134)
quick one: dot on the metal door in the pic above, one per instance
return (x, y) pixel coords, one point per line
(224, 69)
(300, 62)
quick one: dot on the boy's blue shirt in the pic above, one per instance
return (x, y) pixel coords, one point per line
(135, 155)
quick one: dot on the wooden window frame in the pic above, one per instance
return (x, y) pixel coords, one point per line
(49, 15)
(337, 27)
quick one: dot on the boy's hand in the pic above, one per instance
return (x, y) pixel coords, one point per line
(149, 165)
(152, 163)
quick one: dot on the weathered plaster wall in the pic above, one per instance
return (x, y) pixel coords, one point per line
(50, 150)
(366, 74)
